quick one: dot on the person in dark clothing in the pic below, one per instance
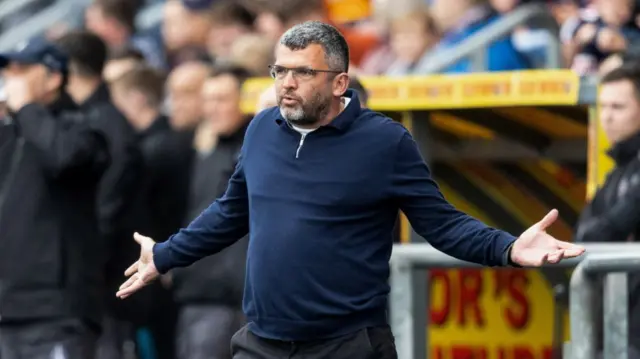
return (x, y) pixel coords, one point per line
(209, 293)
(51, 255)
(613, 215)
(87, 55)
(160, 204)
(139, 94)
(319, 183)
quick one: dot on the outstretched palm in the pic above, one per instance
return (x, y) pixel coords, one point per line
(143, 271)
(536, 247)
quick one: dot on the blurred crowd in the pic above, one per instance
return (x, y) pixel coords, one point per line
(386, 37)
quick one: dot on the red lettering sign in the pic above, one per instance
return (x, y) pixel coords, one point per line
(439, 316)
(485, 352)
(470, 290)
(460, 292)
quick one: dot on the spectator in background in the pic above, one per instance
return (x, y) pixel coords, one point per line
(529, 41)
(613, 215)
(51, 262)
(209, 293)
(599, 31)
(229, 21)
(114, 22)
(629, 56)
(292, 12)
(459, 19)
(267, 22)
(121, 61)
(87, 55)
(412, 37)
(184, 94)
(160, 204)
(184, 29)
(253, 52)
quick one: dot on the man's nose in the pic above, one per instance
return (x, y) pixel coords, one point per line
(289, 80)
(606, 117)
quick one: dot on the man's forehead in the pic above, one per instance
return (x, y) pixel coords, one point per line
(618, 93)
(311, 56)
(617, 88)
(189, 75)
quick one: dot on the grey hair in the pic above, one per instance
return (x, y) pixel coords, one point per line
(336, 50)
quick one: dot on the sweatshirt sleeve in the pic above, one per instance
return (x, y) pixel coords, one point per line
(223, 223)
(442, 225)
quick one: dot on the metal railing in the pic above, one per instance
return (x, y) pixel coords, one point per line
(65, 11)
(583, 299)
(475, 46)
(408, 259)
(61, 11)
(9, 8)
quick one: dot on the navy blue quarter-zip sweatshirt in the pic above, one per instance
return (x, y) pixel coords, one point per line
(321, 214)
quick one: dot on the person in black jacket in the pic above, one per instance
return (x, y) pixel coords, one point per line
(87, 55)
(613, 215)
(160, 204)
(209, 293)
(51, 256)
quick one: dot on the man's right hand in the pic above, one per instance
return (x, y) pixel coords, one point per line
(143, 271)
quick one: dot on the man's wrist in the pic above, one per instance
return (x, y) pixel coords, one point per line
(507, 258)
(161, 257)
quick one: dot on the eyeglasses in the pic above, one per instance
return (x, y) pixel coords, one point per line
(301, 73)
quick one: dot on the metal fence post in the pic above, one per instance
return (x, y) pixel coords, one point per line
(583, 334)
(401, 304)
(616, 328)
(600, 258)
(583, 295)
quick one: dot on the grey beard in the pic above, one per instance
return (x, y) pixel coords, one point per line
(298, 117)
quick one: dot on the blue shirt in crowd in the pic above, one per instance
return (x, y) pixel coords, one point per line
(320, 214)
(501, 55)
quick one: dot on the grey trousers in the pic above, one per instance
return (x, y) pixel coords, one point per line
(367, 343)
(52, 339)
(204, 331)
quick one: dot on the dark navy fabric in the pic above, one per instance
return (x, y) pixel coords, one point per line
(320, 219)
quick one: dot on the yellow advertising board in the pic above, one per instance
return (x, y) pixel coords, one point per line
(490, 314)
(529, 88)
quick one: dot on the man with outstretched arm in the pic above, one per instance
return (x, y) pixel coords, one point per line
(319, 182)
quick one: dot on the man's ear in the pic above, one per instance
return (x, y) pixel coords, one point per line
(340, 84)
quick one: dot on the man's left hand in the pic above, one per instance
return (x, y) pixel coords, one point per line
(536, 247)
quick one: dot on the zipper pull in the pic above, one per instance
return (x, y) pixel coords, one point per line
(302, 136)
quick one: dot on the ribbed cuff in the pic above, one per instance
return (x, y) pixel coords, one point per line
(506, 258)
(162, 257)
